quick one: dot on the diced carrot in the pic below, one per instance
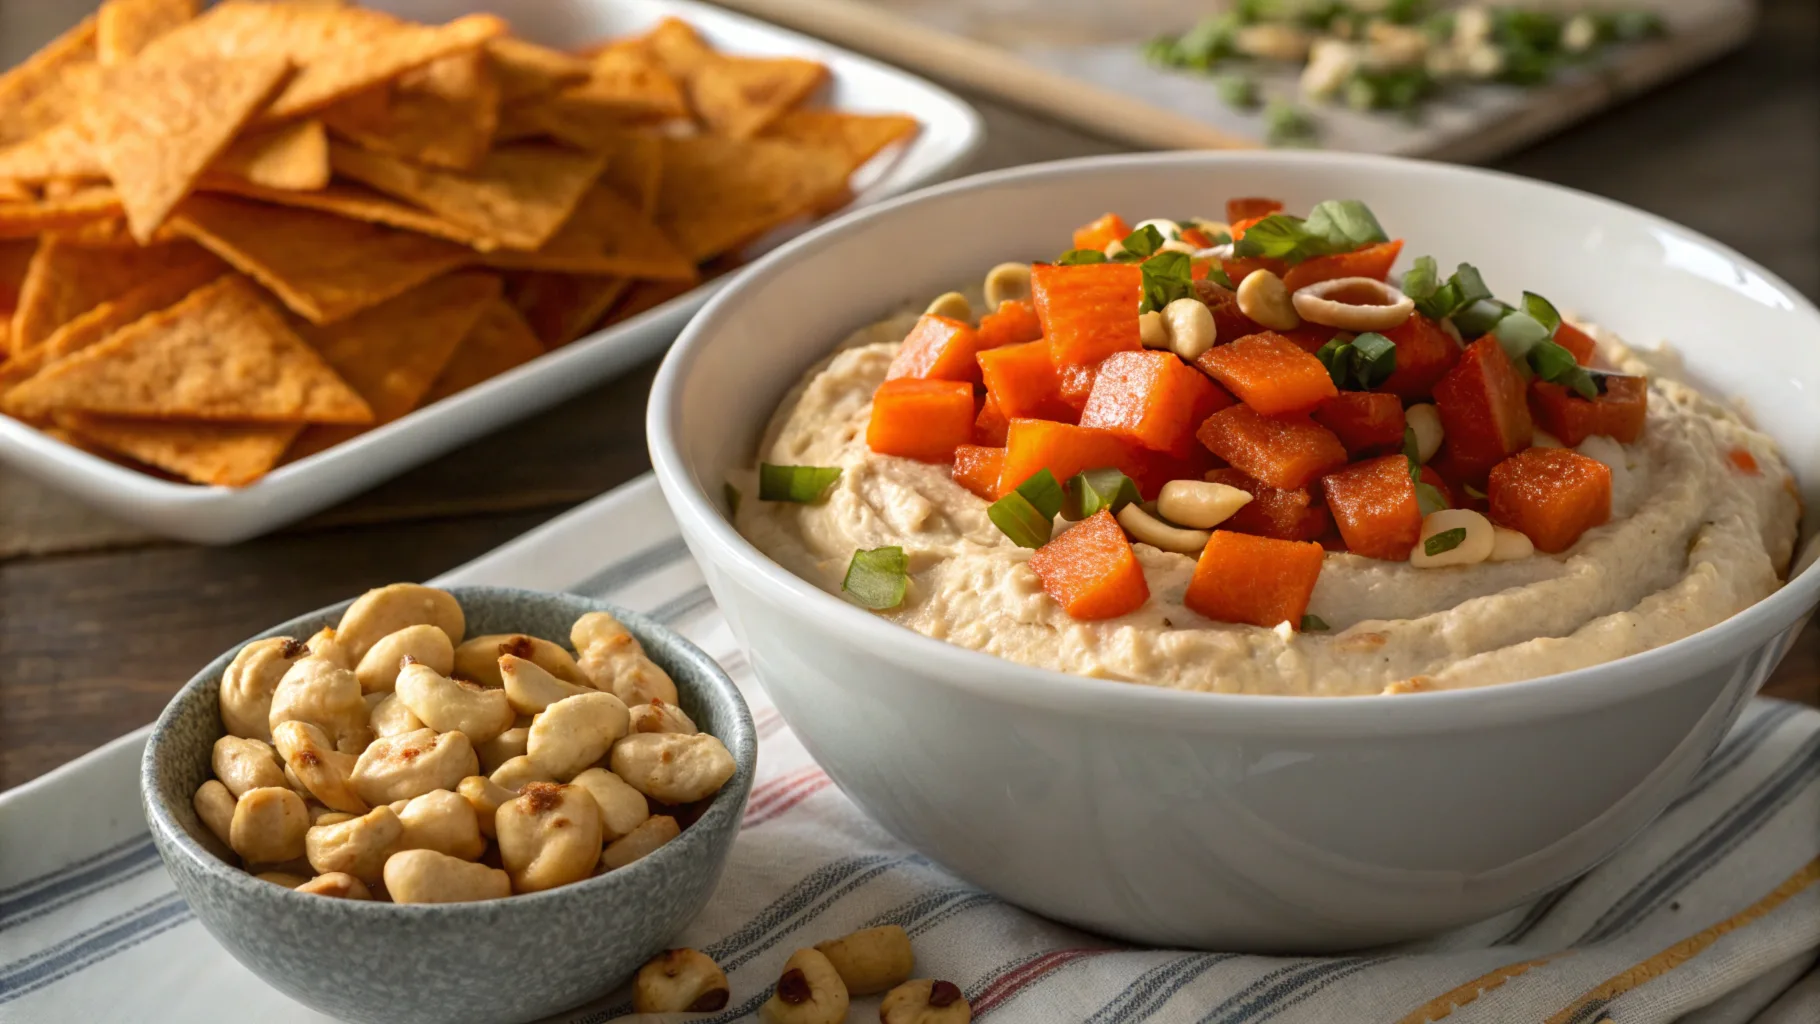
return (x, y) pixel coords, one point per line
(1251, 208)
(990, 425)
(1272, 511)
(1618, 413)
(1373, 261)
(921, 419)
(1484, 414)
(1064, 450)
(1270, 373)
(1285, 451)
(1310, 337)
(1374, 505)
(1021, 381)
(1197, 238)
(1100, 233)
(976, 467)
(1088, 312)
(1152, 399)
(1257, 580)
(1743, 461)
(1091, 570)
(1365, 422)
(1425, 353)
(938, 348)
(1576, 341)
(1551, 494)
(1013, 322)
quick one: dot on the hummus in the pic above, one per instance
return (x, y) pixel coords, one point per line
(1691, 541)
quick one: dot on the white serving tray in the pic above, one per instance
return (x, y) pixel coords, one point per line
(951, 131)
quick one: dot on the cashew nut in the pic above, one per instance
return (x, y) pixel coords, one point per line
(268, 825)
(245, 764)
(519, 772)
(531, 688)
(575, 732)
(247, 685)
(615, 661)
(392, 717)
(412, 764)
(622, 808)
(673, 768)
(478, 659)
(639, 843)
(357, 847)
(425, 644)
(1273, 40)
(337, 884)
(952, 305)
(325, 644)
(214, 804)
(383, 611)
(1199, 504)
(1425, 420)
(425, 876)
(1265, 299)
(484, 796)
(658, 716)
(322, 770)
(1509, 545)
(502, 748)
(871, 959)
(319, 692)
(1007, 282)
(451, 705)
(808, 992)
(1189, 325)
(1353, 304)
(1474, 546)
(442, 821)
(1152, 333)
(320, 815)
(289, 880)
(679, 981)
(549, 835)
(1148, 529)
(925, 1001)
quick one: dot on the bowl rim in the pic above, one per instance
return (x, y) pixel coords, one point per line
(998, 679)
(673, 856)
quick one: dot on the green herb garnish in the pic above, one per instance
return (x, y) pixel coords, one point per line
(1286, 124)
(1479, 317)
(804, 485)
(1333, 226)
(1541, 311)
(1437, 299)
(1429, 499)
(1027, 514)
(1312, 623)
(877, 579)
(1446, 540)
(1361, 363)
(1519, 332)
(1557, 365)
(1097, 489)
(1238, 91)
(1217, 274)
(732, 496)
(1076, 257)
(1168, 276)
(1140, 245)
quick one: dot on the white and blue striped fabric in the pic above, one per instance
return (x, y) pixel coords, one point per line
(1711, 917)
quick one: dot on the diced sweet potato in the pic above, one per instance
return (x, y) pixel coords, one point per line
(1574, 340)
(1228, 322)
(938, 348)
(1091, 571)
(1374, 505)
(1251, 208)
(1285, 451)
(990, 425)
(1152, 399)
(921, 419)
(977, 467)
(1483, 408)
(1425, 353)
(1272, 511)
(1100, 233)
(1311, 337)
(1064, 450)
(1088, 312)
(1270, 373)
(1373, 261)
(1551, 494)
(1013, 322)
(1021, 381)
(1366, 422)
(1619, 413)
(1237, 269)
(1256, 580)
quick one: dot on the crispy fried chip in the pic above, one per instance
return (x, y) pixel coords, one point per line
(442, 114)
(289, 157)
(860, 136)
(66, 279)
(628, 82)
(23, 220)
(605, 235)
(322, 266)
(719, 193)
(740, 96)
(676, 45)
(562, 307)
(635, 167)
(61, 151)
(124, 27)
(642, 297)
(221, 454)
(223, 353)
(526, 69)
(50, 85)
(356, 202)
(160, 118)
(15, 258)
(518, 196)
(499, 340)
(15, 191)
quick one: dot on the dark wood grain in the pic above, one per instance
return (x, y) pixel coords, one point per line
(92, 645)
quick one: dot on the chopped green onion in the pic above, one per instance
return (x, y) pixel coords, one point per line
(1168, 276)
(877, 579)
(1556, 364)
(1361, 363)
(1333, 226)
(1542, 311)
(1096, 489)
(1519, 332)
(1140, 244)
(732, 496)
(1018, 519)
(1479, 317)
(1422, 278)
(1076, 257)
(1435, 298)
(1446, 540)
(804, 485)
(1429, 499)
(1413, 452)
(1238, 91)
(1043, 492)
(1312, 623)
(1474, 492)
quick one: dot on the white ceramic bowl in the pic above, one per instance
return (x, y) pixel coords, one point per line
(1235, 822)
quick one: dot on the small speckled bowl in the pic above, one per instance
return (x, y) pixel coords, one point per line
(511, 959)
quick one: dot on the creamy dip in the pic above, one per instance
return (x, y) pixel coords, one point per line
(1691, 541)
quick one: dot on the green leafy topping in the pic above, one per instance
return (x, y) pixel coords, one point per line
(1217, 274)
(1446, 540)
(1334, 226)
(1630, 26)
(1361, 363)
(1314, 624)
(877, 579)
(1429, 498)
(804, 485)
(1519, 332)
(1413, 452)
(1140, 245)
(1436, 298)
(732, 496)
(1286, 124)
(1479, 317)
(1076, 257)
(1168, 276)
(1541, 311)
(1096, 489)
(1238, 91)
(1027, 514)
(1555, 364)
(1043, 492)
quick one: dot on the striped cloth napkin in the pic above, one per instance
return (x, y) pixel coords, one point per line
(1712, 916)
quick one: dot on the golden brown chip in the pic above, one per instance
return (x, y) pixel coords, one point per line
(718, 192)
(289, 157)
(322, 266)
(62, 151)
(526, 69)
(605, 235)
(518, 196)
(628, 82)
(499, 340)
(347, 200)
(23, 220)
(223, 353)
(740, 96)
(635, 167)
(50, 85)
(162, 117)
(15, 258)
(860, 136)
(643, 297)
(562, 307)
(218, 454)
(14, 191)
(95, 325)
(124, 27)
(676, 44)
(442, 114)
(66, 279)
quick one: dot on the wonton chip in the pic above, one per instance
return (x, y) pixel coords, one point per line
(15, 258)
(625, 81)
(220, 454)
(605, 235)
(322, 266)
(677, 46)
(23, 220)
(719, 193)
(562, 307)
(518, 196)
(499, 341)
(124, 27)
(223, 353)
(740, 96)
(356, 202)
(62, 151)
(66, 280)
(526, 69)
(860, 136)
(635, 168)
(442, 114)
(642, 297)
(50, 85)
(291, 157)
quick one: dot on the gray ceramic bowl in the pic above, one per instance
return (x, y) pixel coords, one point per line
(501, 960)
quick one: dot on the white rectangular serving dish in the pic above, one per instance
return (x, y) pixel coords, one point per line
(951, 131)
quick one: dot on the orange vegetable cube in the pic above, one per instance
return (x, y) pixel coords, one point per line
(1285, 452)
(1270, 373)
(1483, 409)
(1153, 399)
(1088, 312)
(1272, 511)
(1252, 208)
(1574, 340)
(1100, 233)
(1373, 261)
(1551, 494)
(1618, 413)
(938, 348)
(1243, 224)
(1064, 450)
(990, 425)
(1237, 268)
(1743, 461)
(1425, 353)
(1022, 382)
(976, 467)
(1014, 322)
(1365, 422)
(1374, 505)
(1091, 570)
(1257, 580)
(921, 419)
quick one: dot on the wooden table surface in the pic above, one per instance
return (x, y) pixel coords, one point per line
(92, 644)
